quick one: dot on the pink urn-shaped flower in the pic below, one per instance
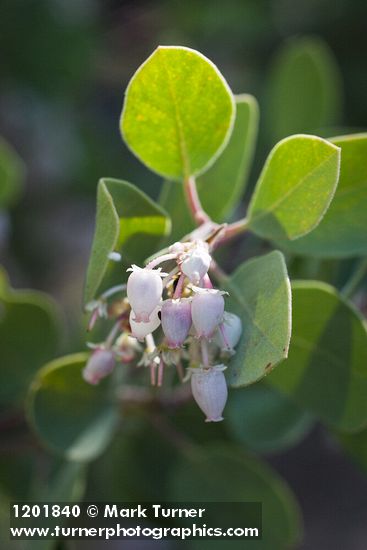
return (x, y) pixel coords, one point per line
(210, 392)
(176, 321)
(144, 292)
(229, 332)
(100, 364)
(207, 311)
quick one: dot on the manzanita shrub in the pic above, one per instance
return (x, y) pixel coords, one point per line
(178, 118)
(168, 326)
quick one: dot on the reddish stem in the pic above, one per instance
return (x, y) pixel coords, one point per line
(205, 353)
(152, 368)
(207, 282)
(93, 319)
(231, 231)
(193, 201)
(179, 287)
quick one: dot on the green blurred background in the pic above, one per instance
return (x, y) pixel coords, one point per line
(63, 70)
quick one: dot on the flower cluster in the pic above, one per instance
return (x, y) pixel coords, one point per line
(196, 334)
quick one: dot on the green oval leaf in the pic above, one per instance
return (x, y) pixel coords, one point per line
(260, 294)
(265, 420)
(326, 370)
(304, 68)
(343, 230)
(128, 222)
(295, 188)
(178, 112)
(29, 336)
(11, 175)
(71, 417)
(223, 474)
(221, 187)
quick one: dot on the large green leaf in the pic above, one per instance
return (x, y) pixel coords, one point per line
(11, 175)
(29, 336)
(220, 187)
(343, 230)
(326, 370)
(178, 112)
(127, 221)
(223, 474)
(71, 417)
(260, 294)
(304, 89)
(295, 188)
(265, 420)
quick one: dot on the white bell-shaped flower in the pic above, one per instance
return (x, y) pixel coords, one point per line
(196, 262)
(210, 392)
(100, 364)
(176, 321)
(144, 292)
(207, 310)
(141, 330)
(229, 332)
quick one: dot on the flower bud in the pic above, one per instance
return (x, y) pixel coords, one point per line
(144, 291)
(229, 332)
(176, 321)
(141, 330)
(100, 364)
(207, 310)
(196, 263)
(210, 392)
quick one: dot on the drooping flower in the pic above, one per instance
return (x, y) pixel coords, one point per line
(210, 392)
(196, 262)
(207, 310)
(141, 330)
(229, 332)
(100, 364)
(176, 321)
(144, 292)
